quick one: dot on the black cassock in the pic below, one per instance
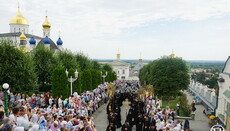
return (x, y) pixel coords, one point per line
(126, 127)
(139, 123)
(152, 122)
(111, 127)
(146, 124)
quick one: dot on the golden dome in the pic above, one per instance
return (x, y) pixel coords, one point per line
(140, 60)
(19, 19)
(118, 54)
(172, 54)
(46, 24)
(22, 36)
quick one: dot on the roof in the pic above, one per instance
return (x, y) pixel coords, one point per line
(118, 63)
(225, 66)
(52, 44)
(17, 34)
(138, 66)
(227, 93)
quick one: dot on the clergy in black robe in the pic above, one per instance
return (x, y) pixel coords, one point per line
(146, 123)
(111, 127)
(139, 123)
(126, 127)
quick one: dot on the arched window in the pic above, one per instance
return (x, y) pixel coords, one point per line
(19, 30)
(123, 71)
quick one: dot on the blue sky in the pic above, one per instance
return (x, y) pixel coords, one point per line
(194, 29)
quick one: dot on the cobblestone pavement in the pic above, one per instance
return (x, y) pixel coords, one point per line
(100, 117)
(201, 121)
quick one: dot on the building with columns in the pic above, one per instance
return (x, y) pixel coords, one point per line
(19, 34)
(223, 107)
(121, 68)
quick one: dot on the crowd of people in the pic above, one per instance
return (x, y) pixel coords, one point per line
(144, 114)
(42, 112)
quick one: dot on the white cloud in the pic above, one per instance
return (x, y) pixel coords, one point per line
(87, 21)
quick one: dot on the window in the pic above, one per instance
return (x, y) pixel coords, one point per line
(14, 29)
(117, 72)
(123, 77)
(123, 71)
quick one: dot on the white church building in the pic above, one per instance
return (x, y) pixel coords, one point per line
(121, 68)
(223, 107)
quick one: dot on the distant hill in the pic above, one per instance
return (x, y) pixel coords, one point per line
(200, 62)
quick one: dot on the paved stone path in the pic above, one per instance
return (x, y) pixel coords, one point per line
(100, 117)
(201, 121)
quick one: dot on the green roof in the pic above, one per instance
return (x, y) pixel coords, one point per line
(227, 93)
(221, 116)
(228, 113)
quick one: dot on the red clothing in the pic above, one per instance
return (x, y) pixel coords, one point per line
(47, 96)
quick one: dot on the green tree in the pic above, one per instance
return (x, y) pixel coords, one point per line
(60, 82)
(45, 62)
(98, 73)
(95, 78)
(144, 74)
(212, 82)
(67, 59)
(107, 67)
(169, 75)
(83, 61)
(200, 77)
(95, 65)
(16, 68)
(86, 80)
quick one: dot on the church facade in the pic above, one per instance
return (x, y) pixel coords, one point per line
(19, 34)
(223, 107)
(121, 68)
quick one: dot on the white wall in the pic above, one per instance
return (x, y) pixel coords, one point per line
(18, 28)
(119, 71)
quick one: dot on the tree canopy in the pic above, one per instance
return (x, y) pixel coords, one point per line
(16, 68)
(45, 62)
(60, 82)
(168, 75)
(43, 69)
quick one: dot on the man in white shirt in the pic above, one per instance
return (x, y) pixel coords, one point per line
(60, 102)
(13, 117)
(63, 123)
(161, 124)
(22, 119)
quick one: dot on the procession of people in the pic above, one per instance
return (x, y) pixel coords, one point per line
(42, 112)
(144, 114)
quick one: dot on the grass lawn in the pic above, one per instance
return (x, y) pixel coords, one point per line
(172, 105)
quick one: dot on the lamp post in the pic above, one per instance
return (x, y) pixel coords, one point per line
(5, 87)
(103, 76)
(71, 80)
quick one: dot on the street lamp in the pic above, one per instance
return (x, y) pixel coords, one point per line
(5, 87)
(71, 80)
(104, 75)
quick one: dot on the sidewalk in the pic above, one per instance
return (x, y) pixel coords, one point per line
(201, 121)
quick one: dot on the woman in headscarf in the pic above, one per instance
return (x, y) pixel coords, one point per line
(42, 123)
